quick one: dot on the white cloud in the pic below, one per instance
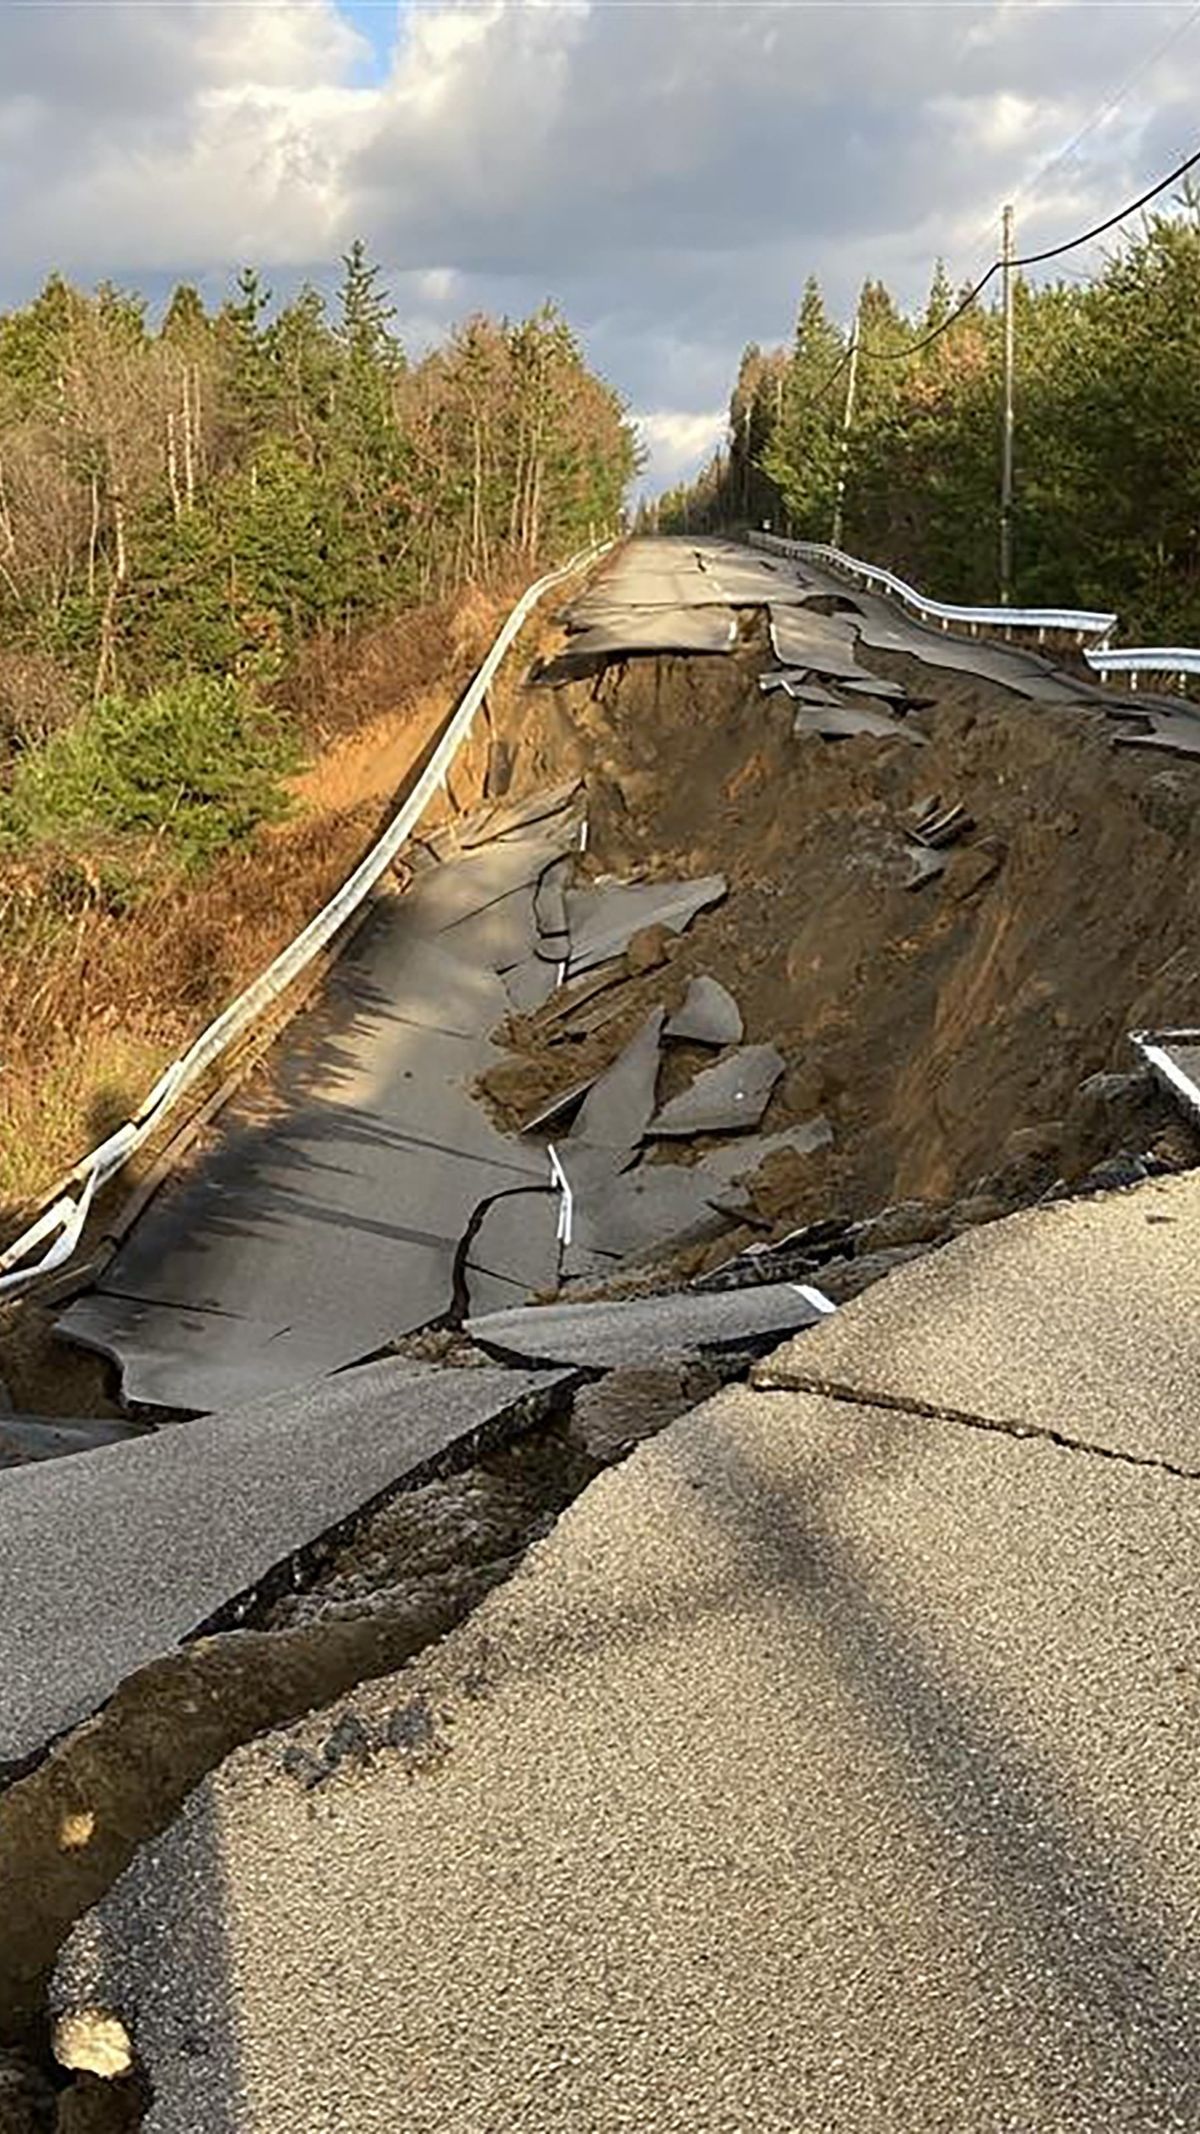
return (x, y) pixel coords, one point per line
(669, 174)
(437, 284)
(167, 138)
(677, 443)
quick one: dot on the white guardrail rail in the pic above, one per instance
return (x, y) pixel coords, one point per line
(1159, 1049)
(1176, 660)
(1106, 660)
(1081, 623)
(61, 1224)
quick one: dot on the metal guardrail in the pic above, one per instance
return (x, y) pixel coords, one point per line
(1179, 660)
(1081, 623)
(62, 1221)
(1104, 659)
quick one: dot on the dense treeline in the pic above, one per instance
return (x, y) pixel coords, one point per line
(225, 534)
(183, 505)
(1107, 499)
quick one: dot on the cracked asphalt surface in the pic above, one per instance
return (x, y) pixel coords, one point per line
(830, 1766)
(1076, 1319)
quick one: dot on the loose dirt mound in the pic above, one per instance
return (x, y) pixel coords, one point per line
(944, 1031)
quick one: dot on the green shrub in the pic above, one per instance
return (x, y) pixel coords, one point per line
(197, 765)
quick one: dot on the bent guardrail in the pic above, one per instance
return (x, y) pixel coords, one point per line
(62, 1222)
(1081, 623)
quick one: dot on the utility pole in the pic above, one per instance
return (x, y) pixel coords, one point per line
(1006, 463)
(844, 450)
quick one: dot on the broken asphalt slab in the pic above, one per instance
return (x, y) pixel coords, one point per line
(724, 1098)
(309, 1238)
(838, 722)
(666, 1329)
(882, 628)
(1178, 732)
(511, 818)
(822, 644)
(708, 630)
(618, 1212)
(825, 1768)
(1077, 1319)
(463, 887)
(604, 917)
(118, 1556)
(618, 1107)
(515, 1242)
(500, 819)
(47, 1437)
(707, 1015)
(743, 1158)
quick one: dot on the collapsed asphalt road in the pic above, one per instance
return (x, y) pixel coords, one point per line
(802, 952)
(831, 1765)
(873, 865)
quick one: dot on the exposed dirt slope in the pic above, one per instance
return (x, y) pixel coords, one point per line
(930, 1026)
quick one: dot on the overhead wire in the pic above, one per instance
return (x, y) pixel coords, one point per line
(1111, 103)
(1029, 259)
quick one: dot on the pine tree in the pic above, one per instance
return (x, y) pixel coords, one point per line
(802, 460)
(940, 301)
(247, 372)
(365, 316)
(185, 322)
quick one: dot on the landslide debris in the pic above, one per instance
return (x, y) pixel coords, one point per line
(952, 1033)
(964, 1040)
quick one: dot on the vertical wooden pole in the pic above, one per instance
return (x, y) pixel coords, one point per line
(1006, 458)
(839, 502)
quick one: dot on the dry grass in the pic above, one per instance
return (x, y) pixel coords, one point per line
(94, 1002)
(338, 685)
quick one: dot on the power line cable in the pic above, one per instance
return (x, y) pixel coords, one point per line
(1111, 103)
(1029, 259)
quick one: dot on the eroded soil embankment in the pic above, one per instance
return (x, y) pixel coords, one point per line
(943, 1031)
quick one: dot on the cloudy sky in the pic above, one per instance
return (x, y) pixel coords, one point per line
(668, 170)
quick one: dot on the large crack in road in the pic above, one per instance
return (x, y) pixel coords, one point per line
(948, 1014)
